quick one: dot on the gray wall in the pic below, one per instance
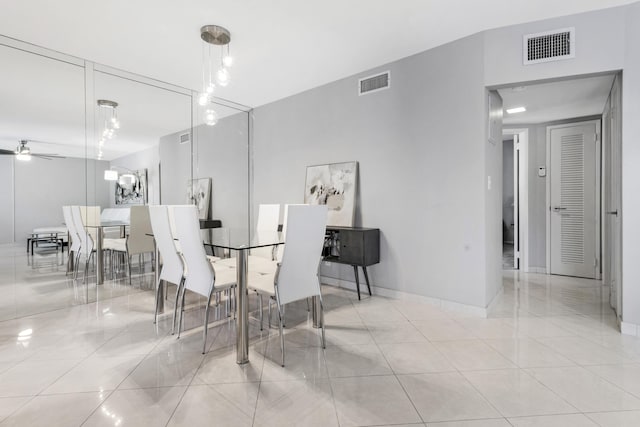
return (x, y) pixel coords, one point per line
(420, 147)
(42, 187)
(507, 189)
(6, 198)
(220, 152)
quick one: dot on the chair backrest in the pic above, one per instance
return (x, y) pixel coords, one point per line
(268, 218)
(73, 231)
(298, 276)
(139, 241)
(90, 215)
(86, 241)
(280, 248)
(115, 214)
(200, 275)
(172, 268)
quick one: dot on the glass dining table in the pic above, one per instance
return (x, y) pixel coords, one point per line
(242, 241)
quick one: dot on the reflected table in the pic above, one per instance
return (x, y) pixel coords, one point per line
(98, 243)
(241, 241)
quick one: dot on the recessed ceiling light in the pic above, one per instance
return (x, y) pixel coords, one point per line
(516, 110)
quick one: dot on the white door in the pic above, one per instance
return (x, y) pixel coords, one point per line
(573, 208)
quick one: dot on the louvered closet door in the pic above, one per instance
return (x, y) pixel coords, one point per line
(573, 200)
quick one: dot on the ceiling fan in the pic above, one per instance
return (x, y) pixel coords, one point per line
(22, 152)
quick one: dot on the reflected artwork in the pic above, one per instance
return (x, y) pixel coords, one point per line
(333, 185)
(199, 194)
(131, 188)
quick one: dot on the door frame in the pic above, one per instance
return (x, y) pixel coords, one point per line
(522, 218)
(598, 195)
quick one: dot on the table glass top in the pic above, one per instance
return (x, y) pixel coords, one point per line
(240, 238)
(108, 224)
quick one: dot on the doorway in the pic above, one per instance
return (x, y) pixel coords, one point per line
(515, 205)
(556, 104)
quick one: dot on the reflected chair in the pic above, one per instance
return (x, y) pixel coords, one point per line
(86, 241)
(74, 238)
(297, 275)
(172, 269)
(200, 276)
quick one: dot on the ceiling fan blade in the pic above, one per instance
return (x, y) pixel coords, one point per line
(48, 156)
(7, 152)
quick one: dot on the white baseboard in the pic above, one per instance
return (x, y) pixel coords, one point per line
(538, 270)
(632, 329)
(406, 296)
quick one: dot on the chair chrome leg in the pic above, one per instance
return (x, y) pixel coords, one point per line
(206, 322)
(181, 311)
(129, 264)
(324, 345)
(155, 317)
(260, 309)
(175, 306)
(281, 326)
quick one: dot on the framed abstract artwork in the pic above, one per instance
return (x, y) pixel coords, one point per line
(199, 194)
(333, 185)
(131, 188)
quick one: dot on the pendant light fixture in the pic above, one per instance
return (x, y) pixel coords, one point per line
(108, 117)
(214, 73)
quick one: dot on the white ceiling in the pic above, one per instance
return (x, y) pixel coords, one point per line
(281, 47)
(547, 102)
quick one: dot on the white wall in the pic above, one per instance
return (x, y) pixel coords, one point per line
(42, 187)
(220, 152)
(630, 169)
(6, 199)
(420, 147)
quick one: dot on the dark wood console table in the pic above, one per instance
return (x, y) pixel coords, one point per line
(355, 246)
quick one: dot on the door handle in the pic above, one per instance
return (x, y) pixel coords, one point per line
(613, 213)
(559, 208)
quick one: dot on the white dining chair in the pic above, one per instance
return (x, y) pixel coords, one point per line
(172, 269)
(86, 241)
(297, 274)
(200, 276)
(74, 238)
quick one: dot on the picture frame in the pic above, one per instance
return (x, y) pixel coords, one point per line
(334, 185)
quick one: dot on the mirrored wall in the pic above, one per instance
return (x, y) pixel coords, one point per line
(101, 138)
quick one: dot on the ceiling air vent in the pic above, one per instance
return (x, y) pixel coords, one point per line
(549, 46)
(374, 83)
(184, 138)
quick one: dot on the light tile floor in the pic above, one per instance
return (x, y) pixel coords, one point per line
(549, 354)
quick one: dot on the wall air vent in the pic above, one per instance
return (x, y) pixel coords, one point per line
(375, 83)
(184, 138)
(549, 46)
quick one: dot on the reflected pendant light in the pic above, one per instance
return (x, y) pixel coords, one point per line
(213, 75)
(108, 117)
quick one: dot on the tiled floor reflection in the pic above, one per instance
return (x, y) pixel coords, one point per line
(549, 354)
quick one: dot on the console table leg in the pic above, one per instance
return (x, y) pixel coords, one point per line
(355, 270)
(366, 278)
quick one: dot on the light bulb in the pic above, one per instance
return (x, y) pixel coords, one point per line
(210, 88)
(203, 99)
(210, 117)
(222, 77)
(227, 61)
